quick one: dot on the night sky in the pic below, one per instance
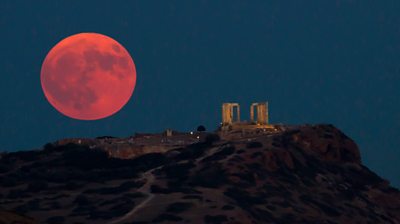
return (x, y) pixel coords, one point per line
(334, 62)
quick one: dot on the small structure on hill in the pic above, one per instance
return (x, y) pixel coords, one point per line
(168, 132)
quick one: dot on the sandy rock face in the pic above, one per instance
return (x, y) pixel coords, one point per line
(327, 143)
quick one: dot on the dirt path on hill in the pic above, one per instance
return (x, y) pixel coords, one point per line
(145, 189)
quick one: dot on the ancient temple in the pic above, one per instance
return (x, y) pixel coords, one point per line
(258, 123)
(258, 114)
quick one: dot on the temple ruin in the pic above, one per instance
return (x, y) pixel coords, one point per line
(228, 113)
(258, 114)
(261, 111)
(258, 122)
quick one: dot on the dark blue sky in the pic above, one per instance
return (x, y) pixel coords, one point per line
(315, 62)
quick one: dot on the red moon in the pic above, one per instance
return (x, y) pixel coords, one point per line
(88, 76)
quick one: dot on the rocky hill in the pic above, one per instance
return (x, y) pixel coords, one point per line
(299, 174)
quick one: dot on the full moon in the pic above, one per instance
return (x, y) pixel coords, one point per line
(88, 76)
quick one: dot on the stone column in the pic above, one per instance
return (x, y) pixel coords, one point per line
(238, 112)
(262, 113)
(266, 113)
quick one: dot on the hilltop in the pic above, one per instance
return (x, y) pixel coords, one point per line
(286, 174)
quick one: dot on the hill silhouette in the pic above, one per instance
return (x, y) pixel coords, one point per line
(301, 174)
